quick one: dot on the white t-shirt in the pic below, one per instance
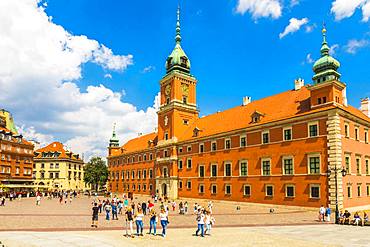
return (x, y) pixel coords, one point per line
(208, 219)
(139, 216)
(38, 198)
(163, 216)
(201, 219)
(322, 210)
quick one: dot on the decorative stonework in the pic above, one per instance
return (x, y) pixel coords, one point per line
(334, 159)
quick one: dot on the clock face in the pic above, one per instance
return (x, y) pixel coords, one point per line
(185, 89)
(167, 90)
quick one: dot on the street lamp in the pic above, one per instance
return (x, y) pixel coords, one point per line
(344, 173)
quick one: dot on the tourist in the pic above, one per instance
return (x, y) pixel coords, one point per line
(200, 222)
(163, 216)
(366, 218)
(328, 213)
(114, 211)
(95, 213)
(153, 222)
(139, 222)
(70, 198)
(209, 221)
(129, 221)
(173, 205)
(150, 205)
(107, 209)
(120, 206)
(346, 216)
(143, 207)
(2, 201)
(125, 202)
(181, 208)
(38, 200)
(210, 206)
(356, 219)
(322, 211)
(186, 207)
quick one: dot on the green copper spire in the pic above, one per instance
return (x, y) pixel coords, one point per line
(178, 60)
(326, 67)
(114, 142)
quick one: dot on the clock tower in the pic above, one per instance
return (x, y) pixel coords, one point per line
(178, 107)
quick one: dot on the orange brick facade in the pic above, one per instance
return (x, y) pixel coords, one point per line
(283, 149)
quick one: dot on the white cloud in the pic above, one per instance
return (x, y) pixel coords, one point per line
(40, 65)
(148, 69)
(332, 49)
(310, 28)
(354, 45)
(294, 25)
(260, 8)
(346, 8)
(294, 3)
(108, 76)
(309, 58)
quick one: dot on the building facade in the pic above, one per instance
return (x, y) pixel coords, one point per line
(56, 169)
(304, 147)
(16, 157)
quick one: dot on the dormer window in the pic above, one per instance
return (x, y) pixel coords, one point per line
(256, 117)
(196, 132)
(169, 60)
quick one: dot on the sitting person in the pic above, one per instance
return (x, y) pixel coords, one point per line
(366, 219)
(356, 219)
(347, 216)
(341, 218)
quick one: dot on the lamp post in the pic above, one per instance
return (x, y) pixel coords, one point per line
(344, 173)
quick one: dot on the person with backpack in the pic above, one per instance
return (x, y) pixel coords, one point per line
(200, 222)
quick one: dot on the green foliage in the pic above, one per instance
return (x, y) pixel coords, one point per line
(96, 172)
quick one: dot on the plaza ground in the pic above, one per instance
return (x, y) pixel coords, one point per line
(22, 223)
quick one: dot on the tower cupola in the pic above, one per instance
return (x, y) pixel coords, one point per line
(114, 142)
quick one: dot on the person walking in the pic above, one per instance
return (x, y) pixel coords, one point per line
(163, 216)
(173, 205)
(107, 209)
(95, 213)
(139, 222)
(328, 213)
(38, 200)
(322, 211)
(153, 222)
(143, 207)
(129, 222)
(200, 221)
(114, 211)
(209, 221)
(186, 207)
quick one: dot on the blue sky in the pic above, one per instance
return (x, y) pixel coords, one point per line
(69, 69)
(232, 55)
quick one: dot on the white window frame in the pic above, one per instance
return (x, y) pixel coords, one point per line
(187, 184)
(213, 185)
(240, 167)
(201, 144)
(291, 133)
(346, 134)
(312, 155)
(266, 159)
(357, 133)
(213, 142)
(231, 189)
(359, 185)
(225, 147)
(268, 135)
(180, 161)
(366, 136)
(350, 163)
(199, 186)
(308, 129)
(350, 191)
(360, 168)
(188, 148)
(204, 170)
(187, 163)
(286, 190)
(231, 168)
(283, 164)
(240, 141)
(214, 164)
(250, 190)
(273, 190)
(367, 165)
(315, 185)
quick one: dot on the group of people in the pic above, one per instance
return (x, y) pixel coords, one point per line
(324, 213)
(204, 218)
(345, 219)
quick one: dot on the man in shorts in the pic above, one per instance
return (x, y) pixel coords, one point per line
(95, 214)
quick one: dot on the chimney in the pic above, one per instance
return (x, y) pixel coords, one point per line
(298, 84)
(246, 100)
(365, 106)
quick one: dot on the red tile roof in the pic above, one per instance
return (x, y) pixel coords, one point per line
(56, 147)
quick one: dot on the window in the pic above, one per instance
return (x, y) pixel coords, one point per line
(151, 156)
(201, 171)
(243, 165)
(314, 191)
(42, 175)
(180, 150)
(133, 174)
(288, 166)
(201, 188)
(287, 134)
(166, 135)
(214, 170)
(313, 129)
(228, 189)
(201, 148)
(227, 170)
(179, 164)
(346, 130)
(184, 99)
(51, 166)
(347, 160)
(358, 166)
(189, 148)
(318, 101)
(144, 157)
(150, 173)
(133, 187)
(144, 174)
(213, 146)
(180, 184)
(17, 170)
(349, 191)
(188, 163)
(358, 190)
(165, 172)
(57, 175)
(165, 153)
(185, 122)
(289, 190)
(314, 164)
(367, 167)
(366, 136)
(42, 165)
(368, 189)
(266, 167)
(324, 100)
(265, 137)
(138, 174)
(357, 135)
(227, 143)
(243, 141)
(188, 184)
(269, 190)
(247, 190)
(213, 189)
(168, 100)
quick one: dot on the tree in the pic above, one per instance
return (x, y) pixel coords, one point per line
(96, 172)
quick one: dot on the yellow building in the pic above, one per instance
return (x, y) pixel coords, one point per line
(58, 169)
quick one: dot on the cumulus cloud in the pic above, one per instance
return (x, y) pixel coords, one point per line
(108, 76)
(294, 25)
(354, 45)
(40, 66)
(310, 28)
(148, 69)
(346, 8)
(260, 8)
(332, 49)
(294, 3)
(309, 58)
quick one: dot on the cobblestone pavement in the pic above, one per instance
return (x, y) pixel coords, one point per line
(283, 236)
(52, 216)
